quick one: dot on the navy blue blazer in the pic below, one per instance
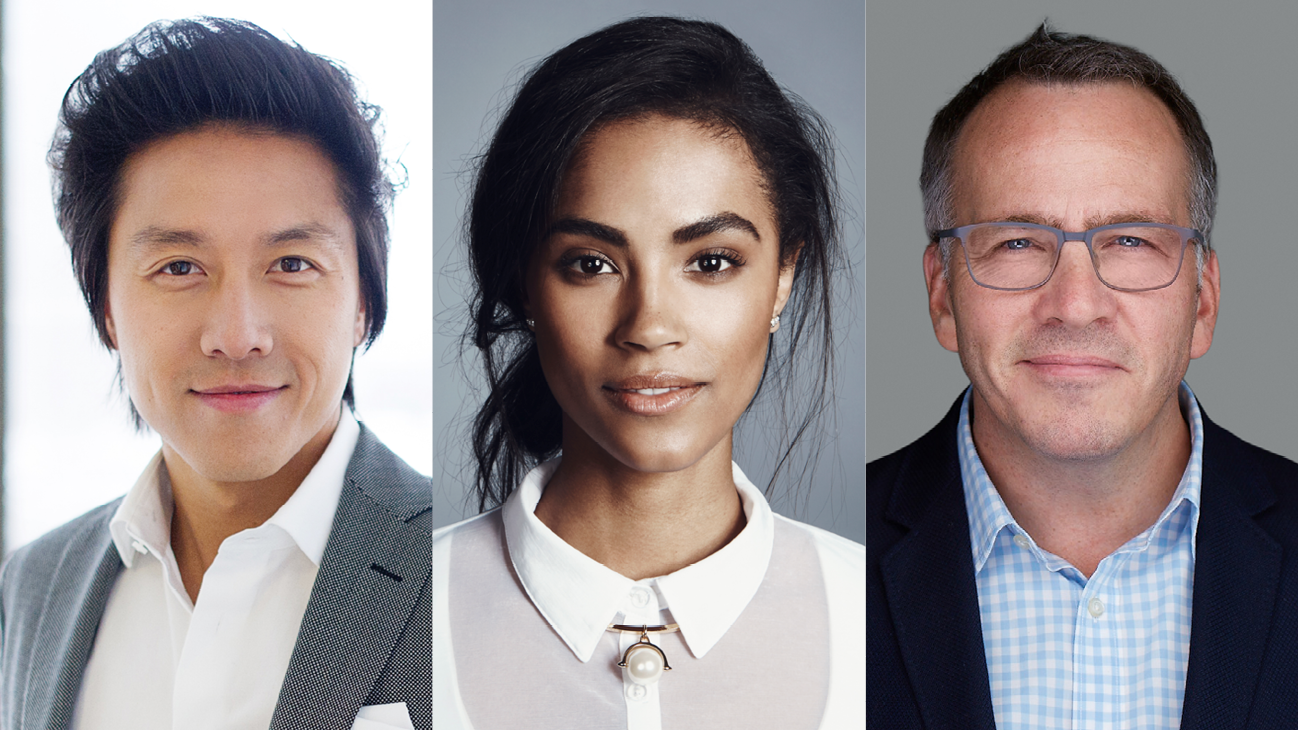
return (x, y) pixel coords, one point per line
(925, 662)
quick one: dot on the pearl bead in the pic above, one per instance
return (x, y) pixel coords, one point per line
(644, 665)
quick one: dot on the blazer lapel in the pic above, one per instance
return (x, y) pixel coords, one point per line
(1236, 577)
(79, 591)
(375, 566)
(930, 590)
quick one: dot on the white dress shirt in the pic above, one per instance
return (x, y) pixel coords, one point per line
(772, 628)
(162, 662)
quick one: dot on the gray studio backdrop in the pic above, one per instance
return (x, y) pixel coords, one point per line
(1235, 60)
(481, 50)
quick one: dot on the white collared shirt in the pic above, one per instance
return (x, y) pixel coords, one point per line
(161, 661)
(772, 628)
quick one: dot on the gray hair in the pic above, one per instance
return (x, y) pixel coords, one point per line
(1049, 57)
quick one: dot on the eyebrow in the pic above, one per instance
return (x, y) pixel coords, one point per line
(156, 237)
(1094, 222)
(726, 221)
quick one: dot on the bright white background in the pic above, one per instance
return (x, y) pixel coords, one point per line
(68, 442)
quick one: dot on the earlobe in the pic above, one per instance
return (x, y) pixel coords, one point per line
(110, 329)
(939, 299)
(1205, 318)
(784, 287)
(362, 328)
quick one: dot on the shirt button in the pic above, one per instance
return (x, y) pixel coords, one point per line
(139, 547)
(639, 597)
(636, 692)
(1096, 607)
(1021, 541)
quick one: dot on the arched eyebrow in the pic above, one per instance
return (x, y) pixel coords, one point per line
(726, 221)
(715, 224)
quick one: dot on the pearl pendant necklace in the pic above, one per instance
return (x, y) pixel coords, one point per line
(643, 660)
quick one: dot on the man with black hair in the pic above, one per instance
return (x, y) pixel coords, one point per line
(1076, 544)
(224, 200)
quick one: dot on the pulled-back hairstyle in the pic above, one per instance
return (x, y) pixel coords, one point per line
(682, 69)
(178, 76)
(1048, 57)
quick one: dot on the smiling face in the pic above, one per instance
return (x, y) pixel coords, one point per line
(1073, 369)
(654, 292)
(233, 297)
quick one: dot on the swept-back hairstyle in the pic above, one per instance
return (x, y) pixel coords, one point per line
(177, 76)
(1050, 57)
(683, 69)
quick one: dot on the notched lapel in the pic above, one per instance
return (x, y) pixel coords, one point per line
(930, 589)
(376, 566)
(78, 592)
(1236, 577)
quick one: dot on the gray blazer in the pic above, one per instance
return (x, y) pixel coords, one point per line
(366, 638)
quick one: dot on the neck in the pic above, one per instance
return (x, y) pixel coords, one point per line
(1084, 509)
(207, 511)
(641, 524)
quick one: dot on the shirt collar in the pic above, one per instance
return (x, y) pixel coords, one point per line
(143, 519)
(579, 597)
(988, 514)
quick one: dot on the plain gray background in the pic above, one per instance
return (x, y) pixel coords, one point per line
(1236, 61)
(481, 51)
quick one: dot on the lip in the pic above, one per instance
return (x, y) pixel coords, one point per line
(239, 397)
(1072, 365)
(653, 394)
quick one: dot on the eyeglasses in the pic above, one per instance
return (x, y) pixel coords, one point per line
(1019, 256)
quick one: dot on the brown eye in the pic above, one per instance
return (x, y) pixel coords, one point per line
(592, 265)
(179, 268)
(292, 265)
(711, 263)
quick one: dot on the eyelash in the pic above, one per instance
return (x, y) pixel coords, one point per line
(730, 259)
(167, 268)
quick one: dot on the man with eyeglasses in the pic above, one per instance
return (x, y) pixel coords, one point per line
(1076, 545)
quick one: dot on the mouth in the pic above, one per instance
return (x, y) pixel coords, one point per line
(1068, 365)
(653, 394)
(238, 397)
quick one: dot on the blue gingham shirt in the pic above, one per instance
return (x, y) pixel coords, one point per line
(1065, 651)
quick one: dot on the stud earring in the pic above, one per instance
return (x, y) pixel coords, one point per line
(775, 323)
(531, 323)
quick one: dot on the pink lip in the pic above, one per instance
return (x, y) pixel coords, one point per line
(680, 390)
(238, 398)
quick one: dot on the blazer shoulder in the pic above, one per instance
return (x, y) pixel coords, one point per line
(899, 486)
(82, 538)
(390, 482)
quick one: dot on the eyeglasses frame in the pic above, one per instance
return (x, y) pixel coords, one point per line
(1088, 236)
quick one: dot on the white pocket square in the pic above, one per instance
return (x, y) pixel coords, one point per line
(394, 716)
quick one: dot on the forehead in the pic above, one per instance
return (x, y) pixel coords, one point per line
(630, 158)
(1071, 150)
(220, 183)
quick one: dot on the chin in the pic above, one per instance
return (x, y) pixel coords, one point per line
(1076, 439)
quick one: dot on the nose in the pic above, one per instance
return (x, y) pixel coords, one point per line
(236, 326)
(649, 318)
(1074, 295)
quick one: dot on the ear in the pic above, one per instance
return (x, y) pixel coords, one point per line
(361, 327)
(109, 328)
(1205, 317)
(939, 299)
(784, 286)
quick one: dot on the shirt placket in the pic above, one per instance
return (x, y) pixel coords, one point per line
(1097, 670)
(642, 607)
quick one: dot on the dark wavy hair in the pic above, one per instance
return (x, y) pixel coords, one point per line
(679, 68)
(177, 76)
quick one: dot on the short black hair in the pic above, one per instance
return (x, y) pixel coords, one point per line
(177, 76)
(678, 68)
